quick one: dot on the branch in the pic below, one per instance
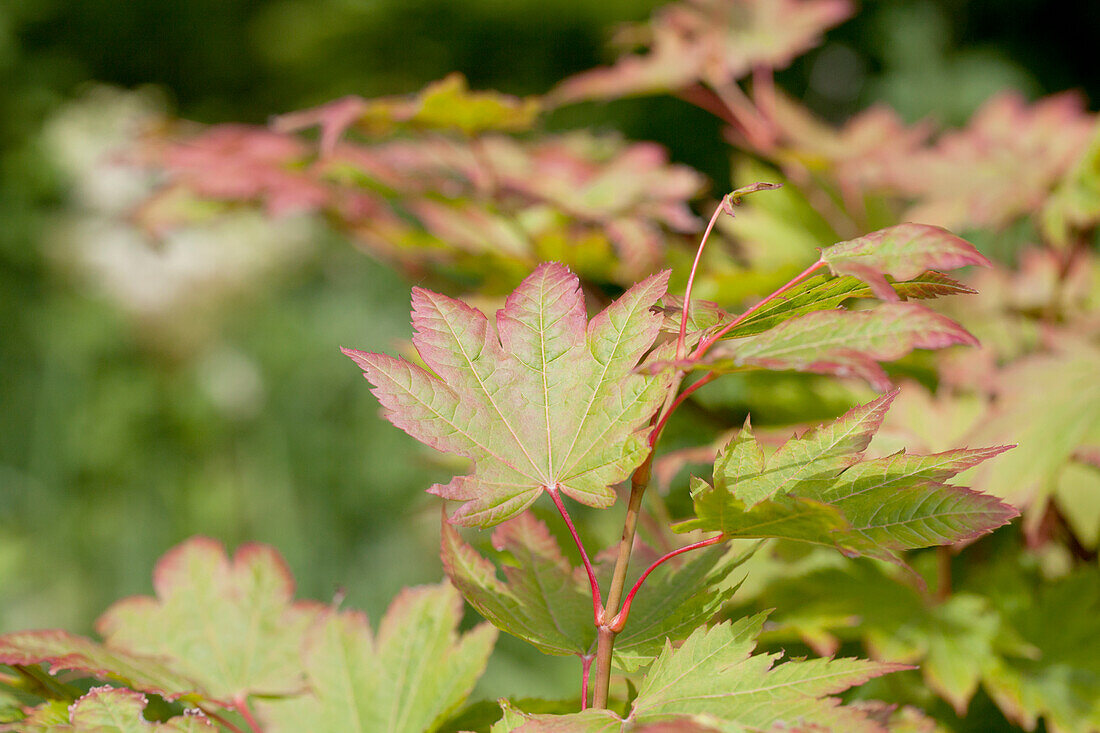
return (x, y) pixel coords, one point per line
(605, 637)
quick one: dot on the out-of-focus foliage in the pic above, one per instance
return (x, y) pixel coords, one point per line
(188, 382)
(224, 634)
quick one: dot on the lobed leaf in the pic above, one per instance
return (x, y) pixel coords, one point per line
(109, 710)
(1001, 166)
(818, 293)
(446, 105)
(548, 603)
(903, 251)
(230, 625)
(841, 343)
(711, 41)
(714, 682)
(1050, 404)
(818, 489)
(538, 402)
(541, 600)
(822, 293)
(64, 651)
(407, 679)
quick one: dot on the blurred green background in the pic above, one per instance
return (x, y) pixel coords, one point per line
(139, 409)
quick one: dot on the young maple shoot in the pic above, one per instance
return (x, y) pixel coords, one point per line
(541, 399)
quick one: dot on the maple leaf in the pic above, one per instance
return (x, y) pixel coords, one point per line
(446, 105)
(862, 154)
(818, 488)
(1001, 166)
(65, 651)
(547, 602)
(714, 681)
(903, 251)
(843, 343)
(545, 400)
(541, 600)
(1060, 680)
(817, 293)
(230, 625)
(1049, 423)
(715, 41)
(109, 710)
(406, 679)
(239, 162)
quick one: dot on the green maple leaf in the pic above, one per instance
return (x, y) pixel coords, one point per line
(542, 599)
(713, 681)
(543, 400)
(230, 625)
(407, 679)
(108, 710)
(818, 488)
(447, 104)
(548, 603)
(952, 641)
(1060, 680)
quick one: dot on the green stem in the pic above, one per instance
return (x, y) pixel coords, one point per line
(605, 638)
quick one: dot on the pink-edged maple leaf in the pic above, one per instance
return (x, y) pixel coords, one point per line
(229, 624)
(863, 153)
(714, 41)
(902, 252)
(446, 105)
(1001, 166)
(838, 342)
(234, 162)
(541, 400)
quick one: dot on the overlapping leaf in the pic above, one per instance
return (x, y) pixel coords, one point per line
(447, 105)
(843, 343)
(902, 252)
(542, 599)
(230, 625)
(818, 293)
(953, 642)
(543, 400)
(1050, 404)
(1003, 165)
(713, 681)
(109, 710)
(547, 602)
(714, 41)
(407, 679)
(995, 631)
(1060, 680)
(818, 488)
(64, 651)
